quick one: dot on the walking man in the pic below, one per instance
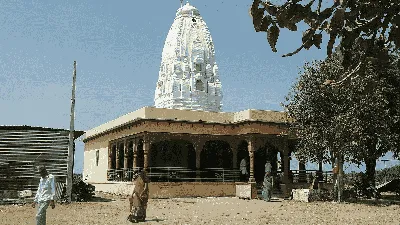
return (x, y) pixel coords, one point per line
(45, 195)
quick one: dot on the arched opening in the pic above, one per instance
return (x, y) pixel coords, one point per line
(130, 154)
(113, 156)
(216, 160)
(172, 160)
(140, 154)
(261, 156)
(243, 154)
(216, 154)
(199, 85)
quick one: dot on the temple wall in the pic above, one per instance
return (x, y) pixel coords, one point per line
(91, 171)
(173, 190)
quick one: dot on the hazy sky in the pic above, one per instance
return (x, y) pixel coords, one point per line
(118, 46)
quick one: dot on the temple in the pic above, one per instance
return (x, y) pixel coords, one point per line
(188, 77)
(186, 143)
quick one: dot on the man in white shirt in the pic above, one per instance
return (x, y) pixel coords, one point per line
(45, 195)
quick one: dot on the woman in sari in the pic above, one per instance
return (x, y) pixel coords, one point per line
(267, 184)
(139, 198)
(267, 187)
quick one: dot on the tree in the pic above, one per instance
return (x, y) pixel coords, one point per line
(367, 23)
(359, 120)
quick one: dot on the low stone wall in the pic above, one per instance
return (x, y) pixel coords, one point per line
(115, 188)
(173, 190)
(303, 195)
(246, 191)
(309, 195)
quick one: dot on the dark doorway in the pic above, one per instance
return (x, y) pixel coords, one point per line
(216, 154)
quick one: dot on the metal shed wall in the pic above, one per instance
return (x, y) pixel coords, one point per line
(22, 148)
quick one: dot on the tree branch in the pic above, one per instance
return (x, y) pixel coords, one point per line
(333, 84)
(301, 47)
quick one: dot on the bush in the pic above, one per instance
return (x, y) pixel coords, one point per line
(360, 186)
(81, 191)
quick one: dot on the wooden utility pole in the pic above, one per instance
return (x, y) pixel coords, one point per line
(70, 164)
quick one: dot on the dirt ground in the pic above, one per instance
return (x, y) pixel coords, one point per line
(114, 210)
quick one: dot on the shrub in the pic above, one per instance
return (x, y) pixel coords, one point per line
(81, 191)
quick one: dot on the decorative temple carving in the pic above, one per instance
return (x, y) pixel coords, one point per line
(188, 76)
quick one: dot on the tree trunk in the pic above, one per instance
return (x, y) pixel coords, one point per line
(370, 169)
(370, 173)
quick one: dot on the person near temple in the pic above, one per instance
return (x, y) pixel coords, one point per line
(45, 195)
(243, 170)
(139, 198)
(267, 184)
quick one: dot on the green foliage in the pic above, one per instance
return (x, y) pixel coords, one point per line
(352, 21)
(388, 173)
(360, 186)
(359, 120)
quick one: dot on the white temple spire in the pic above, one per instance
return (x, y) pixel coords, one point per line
(188, 77)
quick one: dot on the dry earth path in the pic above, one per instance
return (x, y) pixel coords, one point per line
(209, 211)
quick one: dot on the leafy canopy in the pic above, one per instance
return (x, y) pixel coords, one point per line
(365, 25)
(360, 120)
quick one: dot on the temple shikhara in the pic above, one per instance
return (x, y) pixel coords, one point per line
(188, 77)
(187, 144)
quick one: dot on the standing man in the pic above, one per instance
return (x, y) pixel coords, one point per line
(243, 170)
(45, 195)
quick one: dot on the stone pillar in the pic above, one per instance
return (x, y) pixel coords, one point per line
(117, 164)
(234, 156)
(135, 150)
(198, 147)
(125, 154)
(302, 172)
(110, 155)
(146, 150)
(251, 147)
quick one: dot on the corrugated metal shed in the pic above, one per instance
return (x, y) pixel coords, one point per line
(22, 148)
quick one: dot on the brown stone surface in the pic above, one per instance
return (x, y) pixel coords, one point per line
(209, 211)
(192, 189)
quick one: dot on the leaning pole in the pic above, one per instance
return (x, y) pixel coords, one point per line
(70, 164)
